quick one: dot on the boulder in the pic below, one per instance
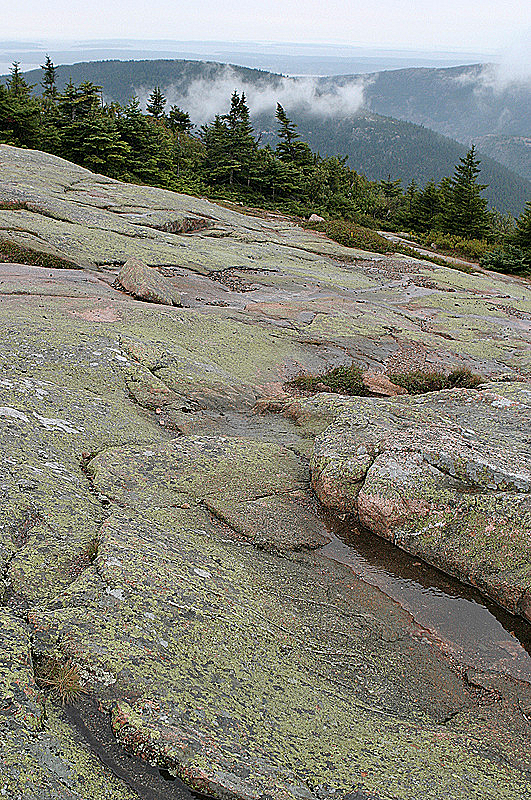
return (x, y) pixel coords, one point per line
(316, 218)
(378, 383)
(445, 476)
(145, 283)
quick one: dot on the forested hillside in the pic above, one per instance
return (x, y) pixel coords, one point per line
(381, 147)
(375, 145)
(226, 159)
(474, 103)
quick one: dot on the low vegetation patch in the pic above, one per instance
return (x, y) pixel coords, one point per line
(340, 380)
(472, 249)
(16, 254)
(13, 205)
(349, 234)
(422, 381)
(61, 678)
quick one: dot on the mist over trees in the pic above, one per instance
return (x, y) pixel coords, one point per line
(226, 159)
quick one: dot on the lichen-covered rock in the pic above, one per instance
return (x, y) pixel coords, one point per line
(145, 283)
(446, 476)
(182, 575)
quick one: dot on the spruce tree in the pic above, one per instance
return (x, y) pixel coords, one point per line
(522, 235)
(466, 213)
(428, 207)
(19, 111)
(290, 149)
(16, 83)
(48, 80)
(156, 103)
(179, 120)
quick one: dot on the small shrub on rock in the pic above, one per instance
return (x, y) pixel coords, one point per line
(463, 378)
(421, 381)
(61, 678)
(351, 235)
(340, 380)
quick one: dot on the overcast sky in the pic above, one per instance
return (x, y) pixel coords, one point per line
(480, 25)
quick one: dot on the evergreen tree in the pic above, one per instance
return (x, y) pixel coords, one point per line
(67, 101)
(522, 235)
(19, 111)
(179, 120)
(466, 213)
(241, 140)
(48, 80)
(88, 99)
(156, 103)
(428, 207)
(219, 163)
(290, 149)
(151, 157)
(16, 83)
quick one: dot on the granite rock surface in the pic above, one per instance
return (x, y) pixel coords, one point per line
(164, 538)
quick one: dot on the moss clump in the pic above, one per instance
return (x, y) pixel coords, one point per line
(421, 381)
(340, 380)
(61, 678)
(15, 253)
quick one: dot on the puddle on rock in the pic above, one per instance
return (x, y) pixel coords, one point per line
(472, 629)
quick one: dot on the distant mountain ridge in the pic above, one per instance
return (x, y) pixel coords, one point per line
(377, 137)
(474, 103)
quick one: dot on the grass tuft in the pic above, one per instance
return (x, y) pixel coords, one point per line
(61, 678)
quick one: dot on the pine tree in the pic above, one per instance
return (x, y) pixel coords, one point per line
(466, 213)
(156, 103)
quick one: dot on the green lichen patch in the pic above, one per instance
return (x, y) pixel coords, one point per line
(192, 468)
(227, 665)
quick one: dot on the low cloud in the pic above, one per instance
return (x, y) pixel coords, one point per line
(512, 71)
(204, 98)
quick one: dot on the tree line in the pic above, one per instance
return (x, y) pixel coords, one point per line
(225, 159)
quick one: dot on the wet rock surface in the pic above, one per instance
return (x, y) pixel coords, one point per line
(446, 476)
(162, 537)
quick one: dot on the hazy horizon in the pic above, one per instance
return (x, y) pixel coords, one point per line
(293, 58)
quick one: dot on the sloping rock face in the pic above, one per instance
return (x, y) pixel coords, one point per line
(164, 539)
(446, 476)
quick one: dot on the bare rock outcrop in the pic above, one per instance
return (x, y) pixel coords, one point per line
(446, 476)
(146, 283)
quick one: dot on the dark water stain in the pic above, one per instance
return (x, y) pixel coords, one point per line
(146, 781)
(460, 620)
